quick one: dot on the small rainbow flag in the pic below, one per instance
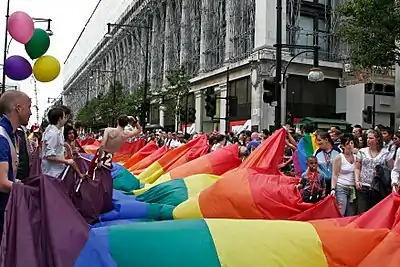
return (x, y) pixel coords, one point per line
(305, 148)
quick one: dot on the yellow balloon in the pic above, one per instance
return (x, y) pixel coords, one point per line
(46, 69)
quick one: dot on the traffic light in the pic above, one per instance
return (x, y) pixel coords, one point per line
(232, 106)
(192, 115)
(269, 90)
(367, 115)
(182, 115)
(210, 103)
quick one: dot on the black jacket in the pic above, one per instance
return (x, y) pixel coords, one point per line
(23, 166)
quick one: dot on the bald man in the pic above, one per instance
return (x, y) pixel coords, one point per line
(16, 110)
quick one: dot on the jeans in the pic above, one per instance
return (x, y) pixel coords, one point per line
(343, 200)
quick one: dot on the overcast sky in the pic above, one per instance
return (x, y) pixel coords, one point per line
(69, 18)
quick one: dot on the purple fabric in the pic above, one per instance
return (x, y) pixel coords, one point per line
(34, 164)
(42, 227)
(90, 197)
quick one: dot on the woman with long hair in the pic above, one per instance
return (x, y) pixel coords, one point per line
(325, 155)
(71, 147)
(343, 181)
(368, 159)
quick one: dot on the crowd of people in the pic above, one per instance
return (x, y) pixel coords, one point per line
(359, 167)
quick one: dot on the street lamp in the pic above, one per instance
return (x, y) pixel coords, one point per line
(145, 104)
(315, 74)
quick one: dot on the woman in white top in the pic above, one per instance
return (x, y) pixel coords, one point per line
(368, 159)
(343, 181)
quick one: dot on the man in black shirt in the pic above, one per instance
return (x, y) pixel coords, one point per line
(24, 154)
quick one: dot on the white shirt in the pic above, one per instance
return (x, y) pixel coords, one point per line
(53, 145)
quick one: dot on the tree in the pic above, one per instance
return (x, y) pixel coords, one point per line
(177, 88)
(102, 111)
(371, 29)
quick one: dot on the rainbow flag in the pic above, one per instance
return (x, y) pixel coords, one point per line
(216, 163)
(146, 151)
(268, 155)
(127, 207)
(147, 161)
(176, 191)
(305, 148)
(252, 194)
(238, 243)
(174, 158)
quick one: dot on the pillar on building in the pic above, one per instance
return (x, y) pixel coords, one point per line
(205, 6)
(162, 112)
(229, 49)
(223, 91)
(185, 32)
(265, 20)
(257, 107)
(198, 104)
(168, 40)
(153, 48)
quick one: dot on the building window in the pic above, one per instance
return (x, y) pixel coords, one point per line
(313, 30)
(380, 89)
(241, 88)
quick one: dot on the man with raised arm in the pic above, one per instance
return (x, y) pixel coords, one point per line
(113, 139)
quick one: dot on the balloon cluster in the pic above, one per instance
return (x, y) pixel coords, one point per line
(37, 42)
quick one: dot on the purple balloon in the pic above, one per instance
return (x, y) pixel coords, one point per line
(17, 68)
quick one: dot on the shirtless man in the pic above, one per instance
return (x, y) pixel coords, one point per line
(112, 141)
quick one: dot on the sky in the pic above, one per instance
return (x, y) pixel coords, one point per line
(68, 19)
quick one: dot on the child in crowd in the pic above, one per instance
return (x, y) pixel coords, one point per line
(312, 183)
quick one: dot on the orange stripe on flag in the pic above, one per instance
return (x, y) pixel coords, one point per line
(350, 246)
(216, 163)
(229, 197)
(146, 162)
(146, 151)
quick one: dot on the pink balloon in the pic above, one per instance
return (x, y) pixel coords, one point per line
(21, 27)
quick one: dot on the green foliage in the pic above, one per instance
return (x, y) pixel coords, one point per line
(371, 29)
(178, 86)
(102, 111)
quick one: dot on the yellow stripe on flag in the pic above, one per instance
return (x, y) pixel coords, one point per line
(190, 209)
(266, 243)
(197, 183)
(151, 173)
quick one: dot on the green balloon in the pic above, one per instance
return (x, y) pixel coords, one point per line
(38, 44)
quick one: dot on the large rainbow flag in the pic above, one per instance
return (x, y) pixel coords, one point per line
(252, 194)
(236, 223)
(174, 158)
(215, 163)
(144, 152)
(139, 167)
(239, 243)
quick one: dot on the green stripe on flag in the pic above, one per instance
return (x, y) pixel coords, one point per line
(163, 244)
(308, 146)
(125, 181)
(173, 193)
